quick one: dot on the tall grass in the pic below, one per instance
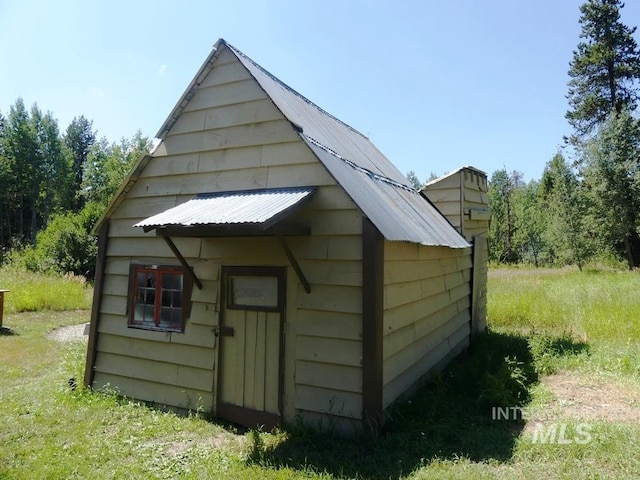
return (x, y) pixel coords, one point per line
(591, 305)
(30, 292)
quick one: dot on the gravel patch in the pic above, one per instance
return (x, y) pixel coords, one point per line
(70, 333)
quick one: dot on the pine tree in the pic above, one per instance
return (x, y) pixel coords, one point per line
(612, 175)
(604, 69)
(566, 235)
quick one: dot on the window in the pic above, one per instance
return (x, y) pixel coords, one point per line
(255, 292)
(160, 298)
(258, 288)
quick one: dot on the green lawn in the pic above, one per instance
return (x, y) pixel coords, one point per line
(545, 325)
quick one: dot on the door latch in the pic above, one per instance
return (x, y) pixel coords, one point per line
(222, 331)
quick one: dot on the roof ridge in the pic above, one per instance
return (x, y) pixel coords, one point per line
(355, 166)
(293, 91)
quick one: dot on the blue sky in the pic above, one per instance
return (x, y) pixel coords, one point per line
(435, 84)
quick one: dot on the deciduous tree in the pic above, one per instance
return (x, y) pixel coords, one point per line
(79, 138)
(502, 230)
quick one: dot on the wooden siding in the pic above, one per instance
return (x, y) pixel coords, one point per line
(457, 195)
(232, 137)
(463, 198)
(476, 229)
(427, 295)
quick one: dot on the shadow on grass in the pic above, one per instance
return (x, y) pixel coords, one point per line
(6, 331)
(450, 417)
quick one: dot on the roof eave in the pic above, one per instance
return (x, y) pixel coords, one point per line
(190, 90)
(450, 174)
(142, 162)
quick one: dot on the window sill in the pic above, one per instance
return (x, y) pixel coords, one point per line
(156, 329)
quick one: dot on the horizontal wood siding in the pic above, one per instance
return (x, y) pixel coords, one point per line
(463, 198)
(476, 197)
(159, 393)
(427, 295)
(231, 137)
(328, 324)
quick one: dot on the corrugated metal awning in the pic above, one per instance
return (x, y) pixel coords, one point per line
(228, 213)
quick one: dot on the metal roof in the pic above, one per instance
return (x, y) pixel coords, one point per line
(256, 207)
(376, 186)
(400, 214)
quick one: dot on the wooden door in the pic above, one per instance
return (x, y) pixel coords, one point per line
(251, 342)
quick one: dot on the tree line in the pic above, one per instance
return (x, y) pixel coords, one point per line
(586, 206)
(54, 186)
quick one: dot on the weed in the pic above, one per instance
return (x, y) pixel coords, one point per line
(256, 445)
(548, 349)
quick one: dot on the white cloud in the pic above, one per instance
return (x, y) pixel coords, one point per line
(162, 69)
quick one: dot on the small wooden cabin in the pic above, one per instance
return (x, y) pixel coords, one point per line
(266, 262)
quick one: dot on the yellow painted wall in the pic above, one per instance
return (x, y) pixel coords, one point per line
(427, 297)
(232, 137)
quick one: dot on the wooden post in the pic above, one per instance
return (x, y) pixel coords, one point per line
(372, 312)
(2, 292)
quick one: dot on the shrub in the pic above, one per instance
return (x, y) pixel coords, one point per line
(64, 246)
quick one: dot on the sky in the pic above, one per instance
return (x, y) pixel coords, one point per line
(435, 84)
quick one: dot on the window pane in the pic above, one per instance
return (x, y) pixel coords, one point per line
(177, 299)
(138, 315)
(166, 298)
(146, 279)
(255, 291)
(141, 279)
(171, 281)
(176, 317)
(143, 314)
(165, 316)
(171, 318)
(146, 296)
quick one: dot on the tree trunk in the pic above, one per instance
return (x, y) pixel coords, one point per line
(612, 87)
(21, 218)
(627, 247)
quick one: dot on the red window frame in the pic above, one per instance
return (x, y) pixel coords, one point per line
(160, 298)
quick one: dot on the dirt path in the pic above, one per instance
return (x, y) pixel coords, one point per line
(577, 396)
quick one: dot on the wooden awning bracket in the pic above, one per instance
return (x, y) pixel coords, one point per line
(183, 261)
(294, 263)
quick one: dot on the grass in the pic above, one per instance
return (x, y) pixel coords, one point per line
(599, 308)
(30, 292)
(595, 305)
(444, 431)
